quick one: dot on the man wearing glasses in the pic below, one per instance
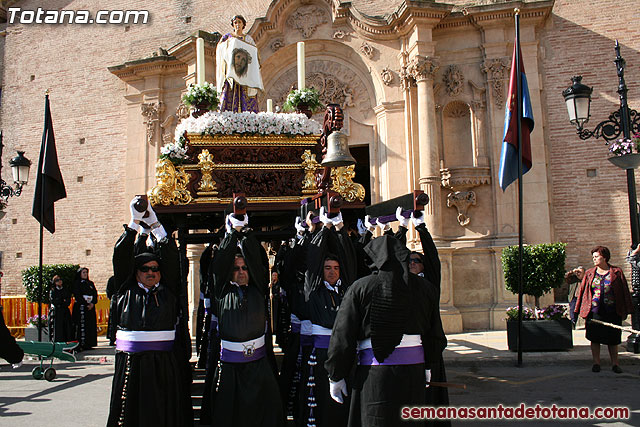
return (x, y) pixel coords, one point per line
(244, 391)
(152, 373)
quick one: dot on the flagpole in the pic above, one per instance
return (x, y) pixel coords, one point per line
(41, 177)
(519, 126)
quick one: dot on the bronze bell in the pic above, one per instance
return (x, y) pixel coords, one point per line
(337, 151)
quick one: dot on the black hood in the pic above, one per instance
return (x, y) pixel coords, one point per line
(392, 297)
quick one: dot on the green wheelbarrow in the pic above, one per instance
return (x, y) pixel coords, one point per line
(48, 350)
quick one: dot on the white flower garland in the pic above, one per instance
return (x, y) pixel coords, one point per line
(228, 123)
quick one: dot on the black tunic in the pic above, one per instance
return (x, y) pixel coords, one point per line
(323, 305)
(243, 394)
(150, 388)
(60, 325)
(84, 318)
(9, 349)
(379, 392)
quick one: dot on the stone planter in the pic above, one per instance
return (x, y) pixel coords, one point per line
(31, 334)
(541, 335)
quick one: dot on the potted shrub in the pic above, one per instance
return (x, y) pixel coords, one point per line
(543, 270)
(67, 273)
(306, 101)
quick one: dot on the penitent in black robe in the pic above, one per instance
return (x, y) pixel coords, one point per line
(84, 318)
(379, 392)
(150, 388)
(60, 325)
(243, 394)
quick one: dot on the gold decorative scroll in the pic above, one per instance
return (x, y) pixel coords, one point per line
(253, 140)
(171, 185)
(342, 182)
(310, 165)
(207, 185)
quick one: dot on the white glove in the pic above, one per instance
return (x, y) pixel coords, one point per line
(337, 220)
(362, 230)
(300, 228)
(233, 222)
(88, 298)
(404, 222)
(152, 218)
(135, 216)
(337, 390)
(427, 376)
(324, 218)
(367, 223)
(417, 218)
(207, 302)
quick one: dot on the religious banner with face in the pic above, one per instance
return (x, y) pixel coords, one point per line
(238, 61)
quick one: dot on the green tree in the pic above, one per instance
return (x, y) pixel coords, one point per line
(67, 273)
(542, 268)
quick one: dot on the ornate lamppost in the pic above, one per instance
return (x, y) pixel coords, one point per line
(622, 122)
(20, 170)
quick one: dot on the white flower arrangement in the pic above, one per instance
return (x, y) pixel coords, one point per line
(204, 93)
(174, 151)
(263, 123)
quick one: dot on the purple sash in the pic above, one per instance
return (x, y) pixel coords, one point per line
(140, 346)
(295, 328)
(321, 341)
(249, 355)
(306, 340)
(399, 356)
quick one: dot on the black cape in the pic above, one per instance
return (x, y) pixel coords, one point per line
(60, 324)
(379, 392)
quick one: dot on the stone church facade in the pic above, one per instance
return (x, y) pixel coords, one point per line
(422, 85)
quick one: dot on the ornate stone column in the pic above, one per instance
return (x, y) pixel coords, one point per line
(422, 69)
(194, 252)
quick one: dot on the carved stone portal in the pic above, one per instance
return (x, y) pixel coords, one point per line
(306, 19)
(462, 200)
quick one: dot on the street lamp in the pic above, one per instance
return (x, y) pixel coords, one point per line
(621, 122)
(19, 169)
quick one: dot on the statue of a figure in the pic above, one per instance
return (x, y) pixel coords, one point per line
(238, 70)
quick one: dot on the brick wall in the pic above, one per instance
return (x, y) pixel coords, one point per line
(579, 39)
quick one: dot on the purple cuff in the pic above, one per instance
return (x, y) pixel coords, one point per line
(399, 356)
(249, 355)
(140, 346)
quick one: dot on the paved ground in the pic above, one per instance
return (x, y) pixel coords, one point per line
(79, 395)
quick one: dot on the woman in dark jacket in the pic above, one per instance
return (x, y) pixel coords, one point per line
(603, 296)
(84, 310)
(60, 325)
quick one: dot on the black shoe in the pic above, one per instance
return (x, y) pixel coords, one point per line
(616, 369)
(596, 368)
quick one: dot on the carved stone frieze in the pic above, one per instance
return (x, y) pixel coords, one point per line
(367, 50)
(336, 83)
(182, 112)
(496, 70)
(207, 186)
(306, 19)
(151, 113)
(453, 80)
(277, 43)
(341, 34)
(387, 76)
(462, 200)
(171, 185)
(459, 178)
(423, 67)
